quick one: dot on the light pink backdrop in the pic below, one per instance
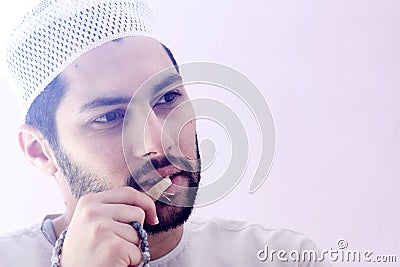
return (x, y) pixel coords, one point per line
(330, 71)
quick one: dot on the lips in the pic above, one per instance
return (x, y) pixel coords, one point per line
(176, 179)
(154, 177)
(170, 170)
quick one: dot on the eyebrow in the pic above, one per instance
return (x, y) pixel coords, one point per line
(165, 81)
(105, 101)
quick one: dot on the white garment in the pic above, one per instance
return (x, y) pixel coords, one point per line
(205, 242)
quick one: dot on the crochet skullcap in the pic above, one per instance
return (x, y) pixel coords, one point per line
(56, 32)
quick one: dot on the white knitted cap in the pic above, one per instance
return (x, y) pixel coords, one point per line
(56, 32)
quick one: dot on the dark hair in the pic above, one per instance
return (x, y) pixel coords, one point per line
(42, 112)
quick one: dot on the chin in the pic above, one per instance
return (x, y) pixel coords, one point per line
(170, 217)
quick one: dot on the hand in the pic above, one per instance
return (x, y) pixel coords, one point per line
(99, 234)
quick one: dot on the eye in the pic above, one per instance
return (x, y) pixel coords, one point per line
(168, 98)
(110, 116)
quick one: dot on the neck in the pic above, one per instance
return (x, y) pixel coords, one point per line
(61, 222)
(163, 243)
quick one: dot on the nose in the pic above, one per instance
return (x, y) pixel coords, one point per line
(146, 137)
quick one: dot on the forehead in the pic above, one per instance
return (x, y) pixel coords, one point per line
(116, 68)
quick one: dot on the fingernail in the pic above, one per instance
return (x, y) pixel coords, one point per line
(157, 221)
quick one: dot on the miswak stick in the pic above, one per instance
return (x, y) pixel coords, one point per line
(158, 189)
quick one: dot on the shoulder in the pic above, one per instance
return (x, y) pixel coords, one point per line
(237, 231)
(240, 243)
(19, 233)
(20, 238)
(26, 246)
(236, 227)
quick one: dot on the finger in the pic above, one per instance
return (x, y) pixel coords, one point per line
(131, 253)
(104, 229)
(125, 213)
(122, 252)
(130, 196)
(126, 231)
(135, 256)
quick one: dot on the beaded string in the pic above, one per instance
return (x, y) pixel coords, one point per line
(55, 258)
(144, 246)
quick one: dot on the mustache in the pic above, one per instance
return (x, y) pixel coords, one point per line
(186, 167)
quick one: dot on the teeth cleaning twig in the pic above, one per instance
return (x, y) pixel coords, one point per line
(158, 189)
(167, 198)
(166, 195)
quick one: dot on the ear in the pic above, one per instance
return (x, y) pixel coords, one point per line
(36, 149)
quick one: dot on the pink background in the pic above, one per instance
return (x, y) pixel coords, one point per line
(330, 71)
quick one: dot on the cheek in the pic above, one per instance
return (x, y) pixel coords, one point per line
(181, 126)
(187, 140)
(102, 155)
(109, 159)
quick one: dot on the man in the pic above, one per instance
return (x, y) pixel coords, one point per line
(107, 116)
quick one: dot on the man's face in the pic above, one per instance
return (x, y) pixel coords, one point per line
(90, 122)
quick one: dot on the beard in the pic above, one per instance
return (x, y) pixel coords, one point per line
(83, 180)
(174, 214)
